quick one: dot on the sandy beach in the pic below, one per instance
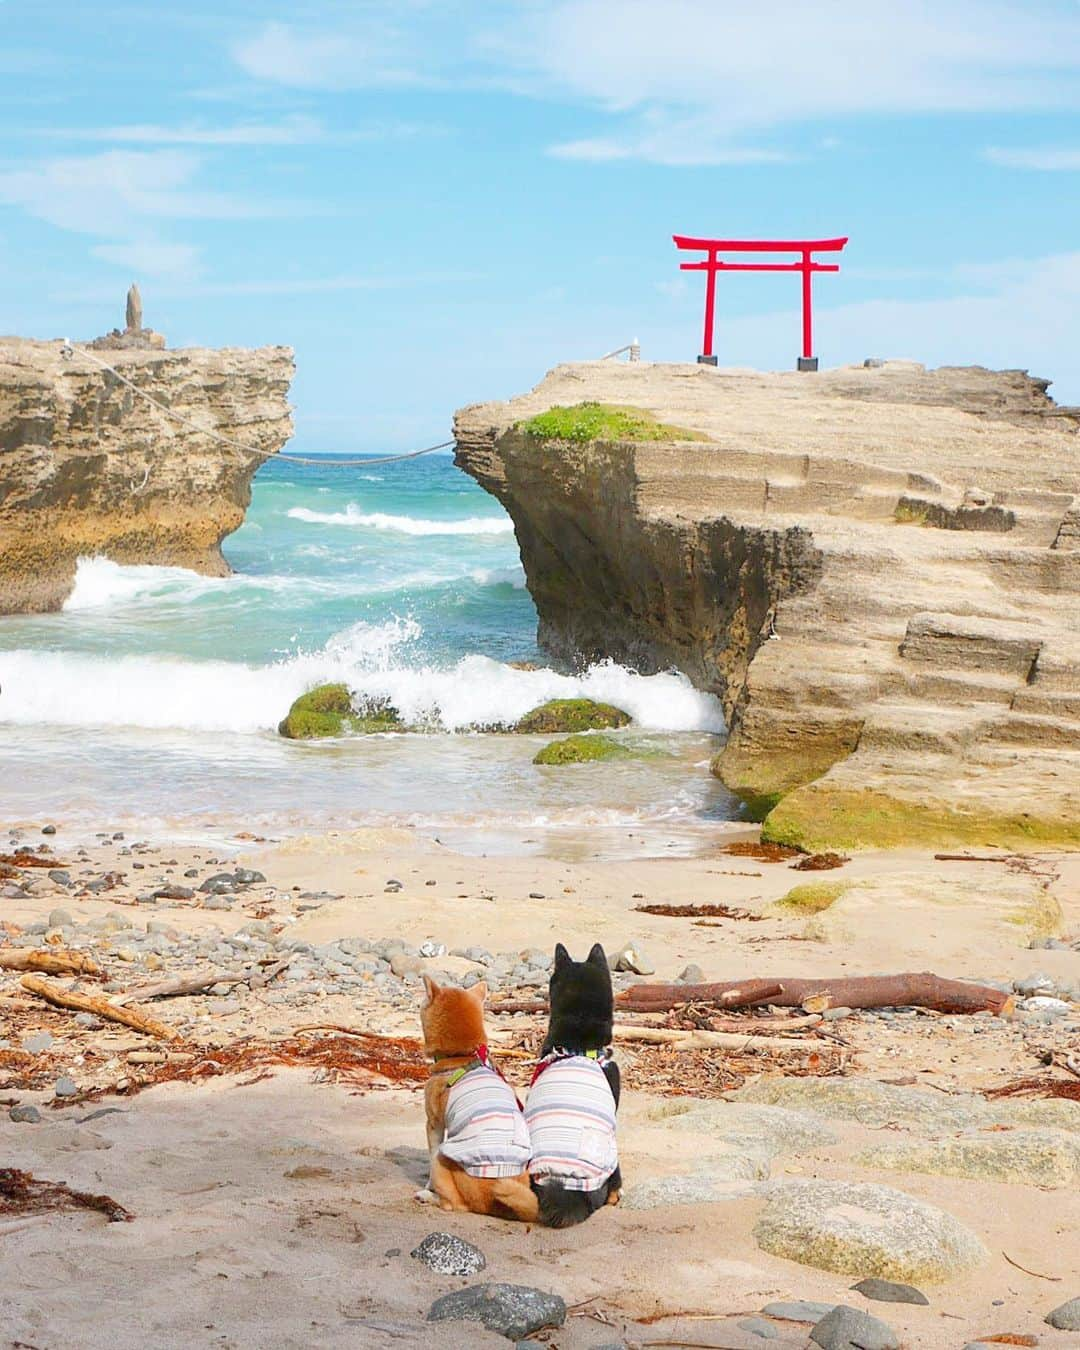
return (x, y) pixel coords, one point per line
(275, 1207)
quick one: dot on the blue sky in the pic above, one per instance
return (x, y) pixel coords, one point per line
(436, 202)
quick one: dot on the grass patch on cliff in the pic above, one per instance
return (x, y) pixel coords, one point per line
(584, 422)
(815, 818)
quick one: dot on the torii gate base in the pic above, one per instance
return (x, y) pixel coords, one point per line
(806, 265)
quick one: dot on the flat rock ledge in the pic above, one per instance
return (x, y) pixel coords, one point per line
(865, 1229)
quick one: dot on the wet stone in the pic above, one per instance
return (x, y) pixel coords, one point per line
(513, 1310)
(449, 1255)
(1066, 1317)
(65, 1086)
(25, 1115)
(852, 1329)
(886, 1291)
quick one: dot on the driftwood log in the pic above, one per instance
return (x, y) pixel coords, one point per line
(48, 962)
(181, 986)
(100, 1007)
(738, 994)
(713, 1040)
(912, 990)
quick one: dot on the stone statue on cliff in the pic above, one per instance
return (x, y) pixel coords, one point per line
(134, 336)
(133, 313)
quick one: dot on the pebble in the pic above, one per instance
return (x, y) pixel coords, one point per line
(85, 1019)
(36, 1042)
(886, 1291)
(798, 1310)
(852, 1329)
(1066, 1317)
(449, 1255)
(25, 1115)
(48, 829)
(174, 892)
(836, 1014)
(513, 1310)
(218, 884)
(65, 1086)
(402, 964)
(694, 975)
(429, 949)
(757, 1326)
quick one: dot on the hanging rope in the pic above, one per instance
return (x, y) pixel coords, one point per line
(67, 351)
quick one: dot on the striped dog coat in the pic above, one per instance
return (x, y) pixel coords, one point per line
(571, 1118)
(485, 1130)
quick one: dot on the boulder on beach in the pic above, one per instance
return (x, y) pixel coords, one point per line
(582, 750)
(572, 715)
(329, 710)
(861, 1228)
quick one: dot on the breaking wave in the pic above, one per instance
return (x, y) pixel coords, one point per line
(379, 520)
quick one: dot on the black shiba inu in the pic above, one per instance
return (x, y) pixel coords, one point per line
(575, 1095)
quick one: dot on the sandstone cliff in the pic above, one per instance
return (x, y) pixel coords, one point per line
(876, 569)
(89, 467)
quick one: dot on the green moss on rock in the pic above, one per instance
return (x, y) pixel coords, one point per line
(572, 715)
(813, 897)
(814, 818)
(582, 750)
(327, 710)
(584, 422)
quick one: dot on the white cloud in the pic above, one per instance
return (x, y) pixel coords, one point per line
(689, 81)
(149, 257)
(125, 198)
(347, 59)
(1046, 160)
(291, 131)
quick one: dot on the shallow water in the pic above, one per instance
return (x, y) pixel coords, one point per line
(154, 696)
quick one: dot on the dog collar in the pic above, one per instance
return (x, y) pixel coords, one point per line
(602, 1057)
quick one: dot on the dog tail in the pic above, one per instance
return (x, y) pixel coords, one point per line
(562, 1208)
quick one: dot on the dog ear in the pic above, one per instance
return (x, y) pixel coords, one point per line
(596, 956)
(431, 989)
(562, 956)
(479, 991)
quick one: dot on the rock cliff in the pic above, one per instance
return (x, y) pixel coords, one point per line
(89, 467)
(875, 568)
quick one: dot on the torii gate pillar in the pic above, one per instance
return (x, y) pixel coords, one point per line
(806, 265)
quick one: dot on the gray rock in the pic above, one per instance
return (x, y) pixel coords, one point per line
(756, 1326)
(836, 1014)
(512, 1310)
(430, 949)
(852, 1329)
(693, 1188)
(65, 1086)
(173, 891)
(863, 1228)
(449, 1255)
(1066, 1317)
(693, 975)
(798, 1310)
(48, 829)
(36, 1042)
(218, 884)
(61, 878)
(1037, 983)
(885, 1291)
(402, 964)
(247, 876)
(217, 900)
(25, 1115)
(85, 1019)
(60, 918)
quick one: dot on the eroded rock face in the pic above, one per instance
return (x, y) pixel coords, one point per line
(908, 538)
(88, 467)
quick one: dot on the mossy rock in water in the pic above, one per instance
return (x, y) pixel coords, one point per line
(584, 422)
(327, 710)
(582, 750)
(572, 715)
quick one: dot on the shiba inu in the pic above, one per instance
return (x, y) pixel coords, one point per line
(570, 1111)
(476, 1133)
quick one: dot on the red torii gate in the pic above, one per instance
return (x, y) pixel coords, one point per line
(711, 265)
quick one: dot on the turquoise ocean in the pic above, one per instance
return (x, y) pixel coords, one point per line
(151, 701)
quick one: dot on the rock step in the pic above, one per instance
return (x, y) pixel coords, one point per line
(1052, 703)
(972, 642)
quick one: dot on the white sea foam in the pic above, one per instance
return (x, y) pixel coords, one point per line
(76, 689)
(379, 520)
(500, 576)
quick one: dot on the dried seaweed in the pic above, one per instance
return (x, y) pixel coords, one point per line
(752, 848)
(23, 1193)
(1037, 1086)
(354, 1059)
(819, 862)
(25, 859)
(699, 911)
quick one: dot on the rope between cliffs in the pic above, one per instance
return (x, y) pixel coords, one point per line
(67, 351)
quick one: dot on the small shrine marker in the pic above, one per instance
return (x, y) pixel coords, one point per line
(711, 265)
